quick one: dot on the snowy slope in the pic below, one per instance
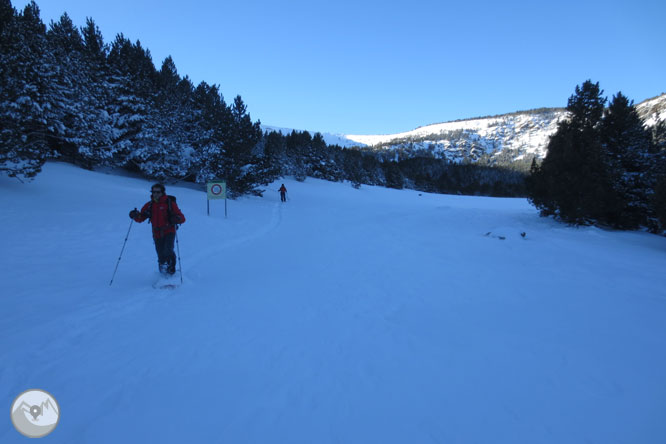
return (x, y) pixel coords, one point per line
(330, 139)
(510, 135)
(524, 133)
(653, 110)
(519, 122)
(343, 315)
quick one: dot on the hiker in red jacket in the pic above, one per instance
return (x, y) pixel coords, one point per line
(164, 214)
(283, 193)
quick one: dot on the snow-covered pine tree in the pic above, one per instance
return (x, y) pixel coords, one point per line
(25, 96)
(212, 120)
(130, 85)
(298, 148)
(171, 125)
(393, 176)
(243, 170)
(67, 45)
(98, 91)
(275, 150)
(83, 131)
(324, 163)
(353, 167)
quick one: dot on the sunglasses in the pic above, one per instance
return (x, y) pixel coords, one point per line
(156, 191)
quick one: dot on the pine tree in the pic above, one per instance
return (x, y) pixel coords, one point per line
(83, 132)
(325, 161)
(627, 146)
(298, 149)
(7, 14)
(393, 175)
(573, 181)
(101, 93)
(131, 94)
(243, 168)
(26, 69)
(209, 155)
(66, 43)
(169, 124)
(658, 173)
(353, 167)
(275, 150)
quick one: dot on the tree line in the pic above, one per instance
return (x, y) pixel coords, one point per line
(67, 94)
(603, 165)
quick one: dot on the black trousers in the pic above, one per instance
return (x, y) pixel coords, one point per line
(166, 258)
(283, 196)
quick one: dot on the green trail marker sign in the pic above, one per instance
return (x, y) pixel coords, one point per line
(217, 190)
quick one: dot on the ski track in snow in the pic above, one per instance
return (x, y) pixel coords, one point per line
(343, 315)
(226, 243)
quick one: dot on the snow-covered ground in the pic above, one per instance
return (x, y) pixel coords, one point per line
(341, 316)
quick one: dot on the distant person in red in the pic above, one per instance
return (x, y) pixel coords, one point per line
(164, 214)
(283, 193)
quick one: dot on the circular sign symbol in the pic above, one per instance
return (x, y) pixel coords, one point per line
(35, 413)
(216, 189)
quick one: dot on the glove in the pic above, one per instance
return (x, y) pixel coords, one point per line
(134, 214)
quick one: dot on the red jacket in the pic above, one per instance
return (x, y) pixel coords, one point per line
(158, 214)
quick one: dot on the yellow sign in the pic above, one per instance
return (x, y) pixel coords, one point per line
(217, 190)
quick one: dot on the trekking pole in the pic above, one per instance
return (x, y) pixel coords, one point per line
(180, 266)
(121, 252)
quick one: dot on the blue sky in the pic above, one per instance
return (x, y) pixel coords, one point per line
(378, 67)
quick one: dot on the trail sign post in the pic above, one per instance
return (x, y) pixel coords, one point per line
(217, 190)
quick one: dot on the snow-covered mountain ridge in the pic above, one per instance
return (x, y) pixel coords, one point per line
(330, 139)
(509, 136)
(522, 133)
(653, 110)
